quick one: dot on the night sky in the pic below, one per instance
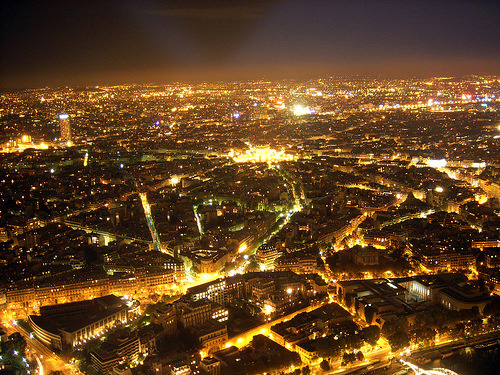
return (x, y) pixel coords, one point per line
(110, 42)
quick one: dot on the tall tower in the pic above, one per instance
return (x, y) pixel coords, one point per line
(65, 127)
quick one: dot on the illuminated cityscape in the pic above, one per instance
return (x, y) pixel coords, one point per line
(249, 212)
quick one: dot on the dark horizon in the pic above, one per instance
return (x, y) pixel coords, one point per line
(105, 43)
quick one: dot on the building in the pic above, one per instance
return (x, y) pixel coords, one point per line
(279, 302)
(377, 238)
(29, 295)
(65, 127)
(297, 262)
(428, 287)
(259, 284)
(299, 328)
(122, 348)
(336, 232)
(319, 286)
(266, 255)
(210, 365)
(492, 277)
(209, 261)
(440, 258)
(199, 312)
(307, 351)
(166, 316)
(212, 336)
(389, 297)
(459, 299)
(249, 285)
(263, 288)
(221, 290)
(365, 256)
(485, 244)
(103, 361)
(147, 338)
(383, 296)
(71, 324)
(179, 363)
(492, 257)
(449, 290)
(213, 291)
(250, 358)
(180, 368)
(188, 313)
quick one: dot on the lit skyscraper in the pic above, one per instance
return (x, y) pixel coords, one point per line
(65, 127)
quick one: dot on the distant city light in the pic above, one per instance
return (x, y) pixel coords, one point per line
(479, 165)
(437, 163)
(280, 104)
(263, 154)
(229, 197)
(300, 110)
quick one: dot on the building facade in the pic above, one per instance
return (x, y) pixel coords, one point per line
(72, 324)
(65, 127)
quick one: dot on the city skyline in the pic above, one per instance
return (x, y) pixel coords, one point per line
(264, 187)
(323, 226)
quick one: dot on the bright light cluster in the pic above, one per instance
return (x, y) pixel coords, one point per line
(437, 163)
(263, 154)
(300, 110)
